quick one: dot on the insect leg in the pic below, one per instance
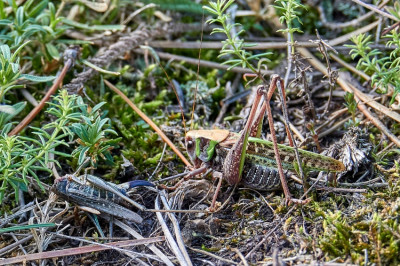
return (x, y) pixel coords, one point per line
(268, 95)
(234, 161)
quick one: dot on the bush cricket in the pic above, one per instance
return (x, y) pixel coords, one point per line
(91, 192)
(245, 158)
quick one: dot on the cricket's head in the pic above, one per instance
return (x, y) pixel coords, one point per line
(200, 144)
(60, 185)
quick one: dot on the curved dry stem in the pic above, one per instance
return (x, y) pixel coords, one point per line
(149, 122)
(42, 103)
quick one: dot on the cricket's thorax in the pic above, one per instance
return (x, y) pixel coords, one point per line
(201, 144)
(205, 147)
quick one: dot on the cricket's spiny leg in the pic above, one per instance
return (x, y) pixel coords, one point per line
(257, 125)
(191, 174)
(267, 97)
(281, 90)
(214, 200)
(234, 161)
(278, 81)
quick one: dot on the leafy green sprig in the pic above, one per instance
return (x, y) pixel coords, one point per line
(93, 132)
(233, 45)
(384, 70)
(10, 73)
(289, 9)
(24, 156)
(32, 20)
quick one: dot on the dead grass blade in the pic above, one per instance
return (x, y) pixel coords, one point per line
(148, 121)
(152, 247)
(169, 238)
(365, 99)
(80, 250)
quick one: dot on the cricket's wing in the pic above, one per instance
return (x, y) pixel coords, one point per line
(262, 152)
(310, 160)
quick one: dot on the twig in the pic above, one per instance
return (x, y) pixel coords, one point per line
(365, 98)
(260, 45)
(377, 122)
(354, 22)
(159, 162)
(204, 63)
(361, 184)
(218, 45)
(342, 190)
(292, 127)
(334, 127)
(116, 50)
(177, 230)
(46, 98)
(290, 51)
(138, 11)
(170, 177)
(375, 9)
(148, 121)
(152, 247)
(14, 245)
(28, 96)
(231, 262)
(242, 258)
(80, 250)
(350, 67)
(350, 35)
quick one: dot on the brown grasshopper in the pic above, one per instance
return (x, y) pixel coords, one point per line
(244, 158)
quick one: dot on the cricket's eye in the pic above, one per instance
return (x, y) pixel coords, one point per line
(189, 144)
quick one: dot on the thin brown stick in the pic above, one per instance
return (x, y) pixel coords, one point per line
(148, 121)
(42, 103)
(80, 250)
(260, 45)
(355, 22)
(204, 63)
(350, 67)
(376, 9)
(342, 190)
(377, 122)
(365, 98)
(230, 262)
(350, 35)
(218, 45)
(14, 245)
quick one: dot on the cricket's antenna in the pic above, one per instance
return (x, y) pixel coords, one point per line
(198, 70)
(177, 97)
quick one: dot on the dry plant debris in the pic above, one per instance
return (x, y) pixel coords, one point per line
(113, 87)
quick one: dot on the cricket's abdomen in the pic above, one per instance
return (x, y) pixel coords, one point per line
(260, 177)
(254, 175)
